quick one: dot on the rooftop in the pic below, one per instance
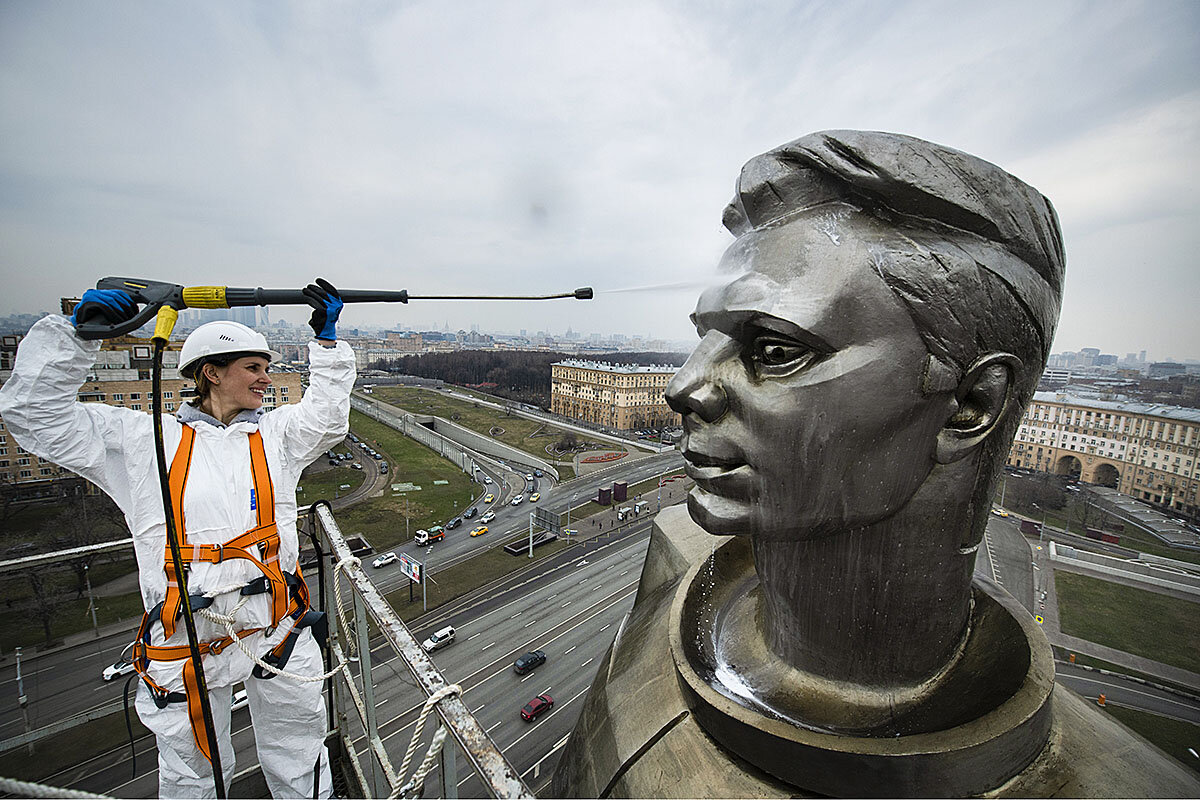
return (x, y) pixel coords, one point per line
(630, 369)
(1123, 406)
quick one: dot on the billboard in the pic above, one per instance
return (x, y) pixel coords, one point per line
(410, 567)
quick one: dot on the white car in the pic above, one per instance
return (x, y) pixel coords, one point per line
(488, 517)
(118, 669)
(516, 501)
(528, 477)
(384, 560)
(437, 640)
(487, 479)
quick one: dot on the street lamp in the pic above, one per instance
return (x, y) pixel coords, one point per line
(1042, 530)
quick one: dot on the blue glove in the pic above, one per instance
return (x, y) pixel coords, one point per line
(115, 305)
(327, 305)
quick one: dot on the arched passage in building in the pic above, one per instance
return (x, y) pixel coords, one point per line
(1106, 475)
(1069, 466)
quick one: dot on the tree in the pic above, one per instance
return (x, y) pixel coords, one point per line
(45, 600)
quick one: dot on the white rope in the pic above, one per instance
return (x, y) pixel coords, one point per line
(435, 746)
(18, 788)
(230, 619)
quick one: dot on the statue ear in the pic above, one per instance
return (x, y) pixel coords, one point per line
(983, 399)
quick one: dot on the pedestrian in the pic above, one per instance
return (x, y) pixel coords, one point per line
(233, 480)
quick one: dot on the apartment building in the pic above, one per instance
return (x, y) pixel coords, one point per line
(1145, 450)
(620, 396)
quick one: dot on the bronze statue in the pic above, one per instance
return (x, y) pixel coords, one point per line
(852, 399)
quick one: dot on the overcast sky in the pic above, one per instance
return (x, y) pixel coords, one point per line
(533, 147)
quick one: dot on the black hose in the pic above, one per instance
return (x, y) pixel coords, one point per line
(189, 621)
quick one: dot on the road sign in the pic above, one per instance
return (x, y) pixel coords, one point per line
(405, 487)
(410, 567)
(545, 518)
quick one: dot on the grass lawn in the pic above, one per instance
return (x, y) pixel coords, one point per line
(524, 434)
(382, 519)
(1134, 620)
(1171, 736)
(327, 483)
(468, 576)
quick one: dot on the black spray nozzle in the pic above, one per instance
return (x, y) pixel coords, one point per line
(583, 294)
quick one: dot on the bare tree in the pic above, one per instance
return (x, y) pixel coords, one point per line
(45, 601)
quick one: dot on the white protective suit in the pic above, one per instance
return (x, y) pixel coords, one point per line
(114, 448)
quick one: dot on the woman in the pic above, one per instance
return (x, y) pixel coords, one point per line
(234, 471)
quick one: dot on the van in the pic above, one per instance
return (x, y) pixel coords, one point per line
(438, 640)
(434, 534)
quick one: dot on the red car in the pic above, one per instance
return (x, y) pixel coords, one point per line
(536, 707)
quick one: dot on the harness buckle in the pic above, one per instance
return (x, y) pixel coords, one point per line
(217, 645)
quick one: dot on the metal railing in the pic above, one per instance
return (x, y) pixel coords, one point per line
(355, 694)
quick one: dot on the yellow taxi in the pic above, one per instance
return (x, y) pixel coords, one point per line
(489, 498)
(533, 498)
(480, 531)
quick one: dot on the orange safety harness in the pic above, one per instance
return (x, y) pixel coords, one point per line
(259, 546)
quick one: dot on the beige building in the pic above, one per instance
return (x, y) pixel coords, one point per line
(120, 376)
(620, 396)
(1145, 450)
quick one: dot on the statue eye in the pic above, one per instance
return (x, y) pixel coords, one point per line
(776, 356)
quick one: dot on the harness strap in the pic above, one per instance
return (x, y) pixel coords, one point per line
(177, 482)
(264, 537)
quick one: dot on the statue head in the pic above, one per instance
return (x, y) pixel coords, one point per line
(892, 309)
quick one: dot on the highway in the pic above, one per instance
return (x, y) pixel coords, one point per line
(511, 521)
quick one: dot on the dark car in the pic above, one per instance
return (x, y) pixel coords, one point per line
(537, 473)
(454, 523)
(536, 707)
(527, 662)
(470, 512)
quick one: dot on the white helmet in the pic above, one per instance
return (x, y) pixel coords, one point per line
(219, 338)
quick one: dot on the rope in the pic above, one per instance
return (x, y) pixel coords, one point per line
(435, 746)
(230, 619)
(16, 788)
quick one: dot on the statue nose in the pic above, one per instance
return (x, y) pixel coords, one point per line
(694, 391)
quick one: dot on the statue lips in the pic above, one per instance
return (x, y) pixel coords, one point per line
(713, 473)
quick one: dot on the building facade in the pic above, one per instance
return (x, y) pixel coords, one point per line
(619, 396)
(1145, 450)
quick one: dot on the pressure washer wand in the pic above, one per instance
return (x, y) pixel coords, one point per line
(156, 294)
